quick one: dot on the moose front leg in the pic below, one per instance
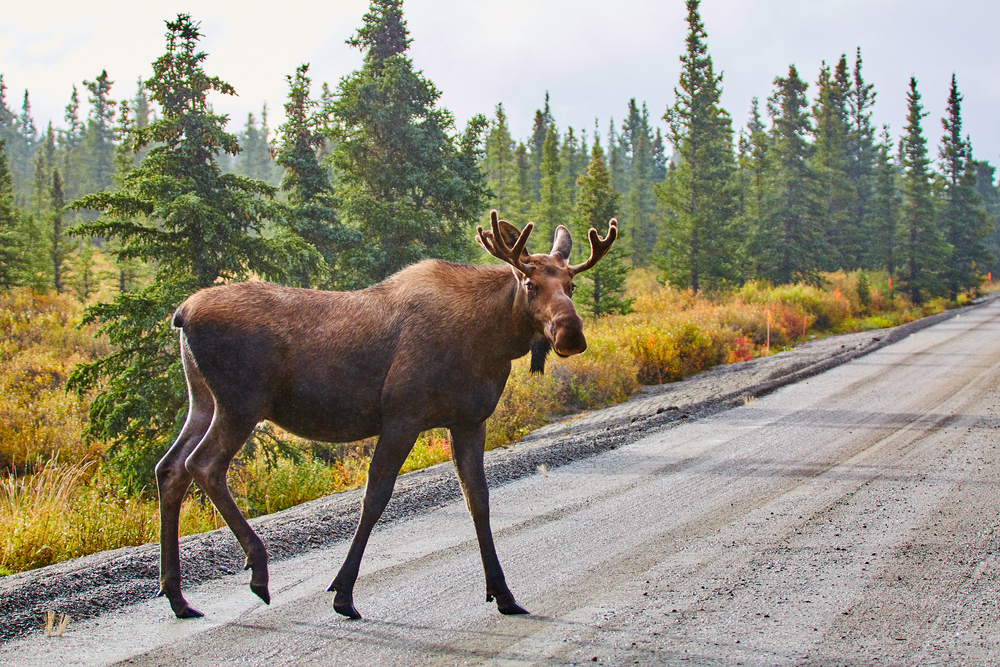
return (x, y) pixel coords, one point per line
(467, 448)
(394, 445)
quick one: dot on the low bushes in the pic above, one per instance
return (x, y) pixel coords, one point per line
(57, 503)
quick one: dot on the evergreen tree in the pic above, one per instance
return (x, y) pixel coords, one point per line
(500, 166)
(70, 141)
(254, 159)
(312, 206)
(10, 239)
(990, 195)
(18, 147)
(659, 158)
(617, 165)
(793, 209)
(760, 252)
(525, 189)
(882, 220)
(140, 106)
(599, 291)
(700, 245)
(98, 140)
(540, 129)
(962, 216)
(197, 226)
(923, 249)
(569, 157)
(60, 244)
(639, 216)
(551, 210)
(831, 163)
(862, 152)
(406, 183)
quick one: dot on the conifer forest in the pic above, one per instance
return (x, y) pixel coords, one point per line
(142, 194)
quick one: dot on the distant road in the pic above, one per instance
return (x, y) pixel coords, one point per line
(850, 519)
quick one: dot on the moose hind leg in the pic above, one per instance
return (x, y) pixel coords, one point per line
(467, 450)
(209, 464)
(173, 481)
(390, 453)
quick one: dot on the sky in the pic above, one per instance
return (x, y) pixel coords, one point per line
(591, 56)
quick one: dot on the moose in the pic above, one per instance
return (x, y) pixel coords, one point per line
(429, 347)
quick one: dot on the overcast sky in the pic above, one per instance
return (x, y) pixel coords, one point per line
(591, 56)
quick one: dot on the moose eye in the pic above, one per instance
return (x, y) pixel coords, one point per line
(530, 286)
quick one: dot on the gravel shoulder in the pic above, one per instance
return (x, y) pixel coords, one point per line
(88, 586)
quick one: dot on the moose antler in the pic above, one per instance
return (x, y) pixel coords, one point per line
(598, 247)
(496, 244)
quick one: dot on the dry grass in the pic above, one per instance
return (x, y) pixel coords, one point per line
(57, 503)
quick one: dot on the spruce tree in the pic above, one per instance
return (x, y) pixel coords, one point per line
(990, 195)
(569, 157)
(760, 253)
(60, 244)
(700, 244)
(311, 203)
(197, 227)
(962, 218)
(407, 183)
(659, 158)
(882, 219)
(923, 249)
(500, 165)
(792, 219)
(254, 159)
(862, 152)
(831, 164)
(551, 210)
(618, 166)
(10, 239)
(540, 129)
(640, 211)
(525, 189)
(70, 142)
(98, 140)
(599, 291)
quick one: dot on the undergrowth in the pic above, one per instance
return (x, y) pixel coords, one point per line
(57, 502)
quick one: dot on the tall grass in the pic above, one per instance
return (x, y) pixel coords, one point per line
(56, 502)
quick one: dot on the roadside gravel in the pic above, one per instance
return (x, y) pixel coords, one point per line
(86, 587)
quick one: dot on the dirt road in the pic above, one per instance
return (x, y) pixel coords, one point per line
(848, 519)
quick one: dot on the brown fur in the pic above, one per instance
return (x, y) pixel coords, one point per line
(429, 347)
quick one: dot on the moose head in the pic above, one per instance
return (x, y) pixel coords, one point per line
(546, 282)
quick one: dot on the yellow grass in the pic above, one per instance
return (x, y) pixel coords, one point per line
(56, 502)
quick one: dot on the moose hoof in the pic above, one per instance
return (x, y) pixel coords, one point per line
(506, 604)
(189, 612)
(346, 609)
(261, 591)
(343, 604)
(511, 609)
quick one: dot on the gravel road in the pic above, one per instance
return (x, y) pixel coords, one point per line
(843, 519)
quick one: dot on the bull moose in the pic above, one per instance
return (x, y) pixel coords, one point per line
(429, 347)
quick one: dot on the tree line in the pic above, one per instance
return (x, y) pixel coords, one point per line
(807, 185)
(366, 178)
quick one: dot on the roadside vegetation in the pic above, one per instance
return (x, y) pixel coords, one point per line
(58, 500)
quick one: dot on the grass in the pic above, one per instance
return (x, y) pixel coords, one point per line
(57, 502)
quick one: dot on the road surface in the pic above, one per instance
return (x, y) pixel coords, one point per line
(850, 519)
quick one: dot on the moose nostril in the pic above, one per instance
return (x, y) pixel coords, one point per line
(569, 341)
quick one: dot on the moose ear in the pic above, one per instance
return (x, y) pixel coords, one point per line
(509, 233)
(563, 243)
